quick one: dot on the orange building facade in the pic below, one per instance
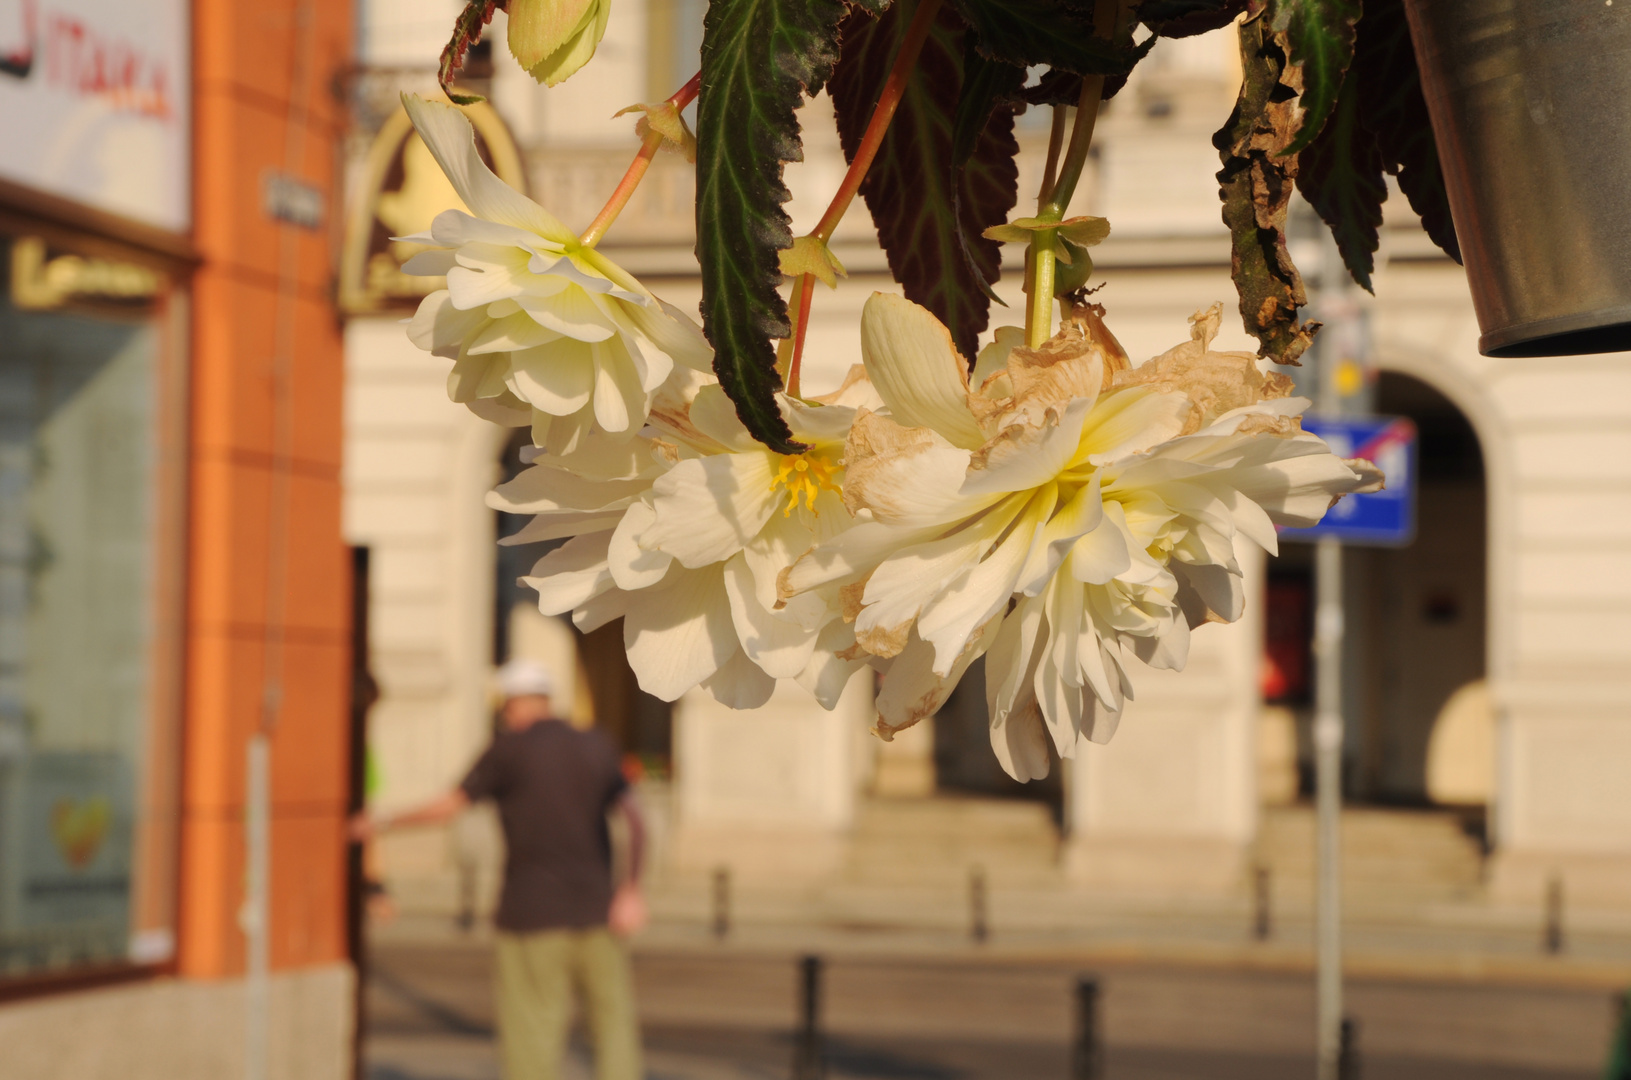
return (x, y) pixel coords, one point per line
(173, 581)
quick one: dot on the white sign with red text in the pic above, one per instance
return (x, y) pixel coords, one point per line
(95, 104)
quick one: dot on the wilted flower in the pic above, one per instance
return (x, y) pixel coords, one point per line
(1069, 512)
(552, 39)
(541, 329)
(684, 538)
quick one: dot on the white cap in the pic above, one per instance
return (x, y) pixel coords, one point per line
(523, 677)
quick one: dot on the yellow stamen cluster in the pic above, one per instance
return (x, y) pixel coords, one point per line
(804, 475)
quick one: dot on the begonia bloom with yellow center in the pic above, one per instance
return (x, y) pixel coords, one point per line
(541, 329)
(1066, 515)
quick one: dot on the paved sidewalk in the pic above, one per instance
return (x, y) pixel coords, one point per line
(915, 1012)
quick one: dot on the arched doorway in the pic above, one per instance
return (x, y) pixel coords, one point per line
(1419, 726)
(1419, 652)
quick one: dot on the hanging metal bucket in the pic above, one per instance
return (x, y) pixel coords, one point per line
(1531, 108)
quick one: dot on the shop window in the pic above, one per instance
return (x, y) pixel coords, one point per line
(89, 570)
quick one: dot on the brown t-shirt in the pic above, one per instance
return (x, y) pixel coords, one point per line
(553, 785)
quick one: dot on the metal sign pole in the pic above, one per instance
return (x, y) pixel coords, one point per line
(1328, 621)
(1328, 627)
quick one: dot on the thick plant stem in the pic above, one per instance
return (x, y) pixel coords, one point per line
(1110, 20)
(1056, 143)
(1051, 204)
(637, 168)
(894, 88)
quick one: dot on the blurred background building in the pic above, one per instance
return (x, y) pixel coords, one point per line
(1487, 660)
(172, 575)
(234, 499)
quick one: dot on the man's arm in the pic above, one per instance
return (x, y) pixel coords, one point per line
(364, 826)
(629, 807)
(628, 911)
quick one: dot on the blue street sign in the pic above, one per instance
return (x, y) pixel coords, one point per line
(1388, 517)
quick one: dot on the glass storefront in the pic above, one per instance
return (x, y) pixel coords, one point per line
(89, 606)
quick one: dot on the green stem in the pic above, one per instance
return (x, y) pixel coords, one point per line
(1052, 202)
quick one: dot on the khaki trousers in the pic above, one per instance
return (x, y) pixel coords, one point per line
(536, 975)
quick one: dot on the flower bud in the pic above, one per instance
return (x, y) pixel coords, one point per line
(552, 39)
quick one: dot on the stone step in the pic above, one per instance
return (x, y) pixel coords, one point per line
(941, 840)
(1411, 854)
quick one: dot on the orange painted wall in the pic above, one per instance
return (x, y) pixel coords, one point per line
(244, 66)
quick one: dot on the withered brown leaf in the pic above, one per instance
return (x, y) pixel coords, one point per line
(1256, 184)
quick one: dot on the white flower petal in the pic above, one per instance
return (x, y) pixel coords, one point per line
(572, 574)
(912, 691)
(915, 367)
(673, 332)
(556, 378)
(1130, 421)
(571, 312)
(679, 633)
(781, 648)
(452, 141)
(544, 487)
(433, 263)
(512, 332)
(619, 400)
(632, 566)
(739, 684)
(950, 619)
(708, 508)
(440, 328)
(827, 673)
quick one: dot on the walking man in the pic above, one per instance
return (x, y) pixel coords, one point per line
(560, 923)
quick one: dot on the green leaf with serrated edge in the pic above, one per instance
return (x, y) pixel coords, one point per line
(1255, 185)
(1052, 32)
(1186, 18)
(466, 32)
(1340, 174)
(759, 59)
(924, 215)
(1321, 38)
(1392, 108)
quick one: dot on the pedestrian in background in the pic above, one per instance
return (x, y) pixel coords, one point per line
(560, 922)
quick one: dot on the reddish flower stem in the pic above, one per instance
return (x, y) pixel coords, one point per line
(806, 292)
(911, 47)
(637, 168)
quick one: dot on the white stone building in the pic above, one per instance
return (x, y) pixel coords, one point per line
(1489, 662)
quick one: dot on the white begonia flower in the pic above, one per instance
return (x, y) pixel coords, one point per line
(541, 329)
(1068, 512)
(683, 538)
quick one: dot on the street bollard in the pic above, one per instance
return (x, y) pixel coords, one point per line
(722, 902)
(1348, 1054)
(979, 925)
(1087, 1056)
(808, 1061)
(1262, 925)
(1554, 916)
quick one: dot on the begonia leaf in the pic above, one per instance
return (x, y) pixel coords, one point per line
(1320, 39)
(1392, 108)
(759, 60)
(1053, 32)
(930, 208)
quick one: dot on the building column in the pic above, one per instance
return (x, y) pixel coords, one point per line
(1169, 806)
